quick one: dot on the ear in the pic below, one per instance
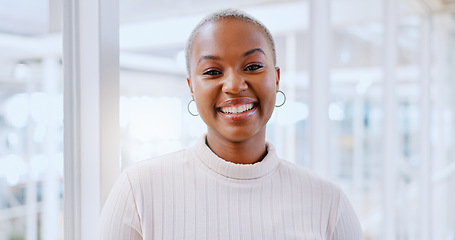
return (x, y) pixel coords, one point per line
(277, 72)
(190, 85)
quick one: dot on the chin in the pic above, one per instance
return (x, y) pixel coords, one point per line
(240, 135)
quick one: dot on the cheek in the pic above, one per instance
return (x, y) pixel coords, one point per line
(204, 96)
(199, 90)
(268, 90)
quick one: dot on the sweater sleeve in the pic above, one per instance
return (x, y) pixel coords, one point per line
(120, 218)
(347, 226)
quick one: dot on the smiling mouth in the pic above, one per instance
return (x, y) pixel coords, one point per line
(237, 109)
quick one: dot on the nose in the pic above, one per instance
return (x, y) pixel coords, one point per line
(234, 83)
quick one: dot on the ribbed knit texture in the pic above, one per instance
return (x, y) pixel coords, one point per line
(193, 194)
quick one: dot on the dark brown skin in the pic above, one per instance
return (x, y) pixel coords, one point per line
(232, 65)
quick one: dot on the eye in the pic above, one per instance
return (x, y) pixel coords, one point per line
(211, 72)
(253, 67)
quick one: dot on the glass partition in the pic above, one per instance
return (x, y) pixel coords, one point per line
(31, 116)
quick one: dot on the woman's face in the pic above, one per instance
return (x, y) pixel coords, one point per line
(233, 79)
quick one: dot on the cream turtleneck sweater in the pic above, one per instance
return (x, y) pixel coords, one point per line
(194, 194)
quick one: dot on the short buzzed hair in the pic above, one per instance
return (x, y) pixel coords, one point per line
(226, 14)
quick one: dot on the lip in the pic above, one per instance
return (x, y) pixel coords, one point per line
(236, 102)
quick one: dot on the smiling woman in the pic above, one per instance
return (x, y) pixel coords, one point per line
(231, 184)
(228, 72)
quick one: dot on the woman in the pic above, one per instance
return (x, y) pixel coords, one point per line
(231, 184)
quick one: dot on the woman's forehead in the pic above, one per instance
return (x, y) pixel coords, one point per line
(230, 34)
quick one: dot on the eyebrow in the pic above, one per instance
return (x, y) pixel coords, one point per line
(208, 57)
(253, 51)
(211, 57)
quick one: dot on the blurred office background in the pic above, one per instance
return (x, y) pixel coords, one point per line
(370, 88)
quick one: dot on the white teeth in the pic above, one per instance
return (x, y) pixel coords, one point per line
(239, 109)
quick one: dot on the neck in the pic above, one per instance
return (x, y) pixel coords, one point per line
(243, 152)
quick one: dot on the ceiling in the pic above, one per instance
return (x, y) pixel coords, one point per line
(37, 17)
(31, 29)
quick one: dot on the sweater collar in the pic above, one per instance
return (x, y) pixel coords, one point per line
(232, 170)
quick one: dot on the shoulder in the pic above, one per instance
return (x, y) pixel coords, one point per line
(158, 162)
(332, 203)
(157, 167)
(309, 180)
(153, 176)
(315, 191)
